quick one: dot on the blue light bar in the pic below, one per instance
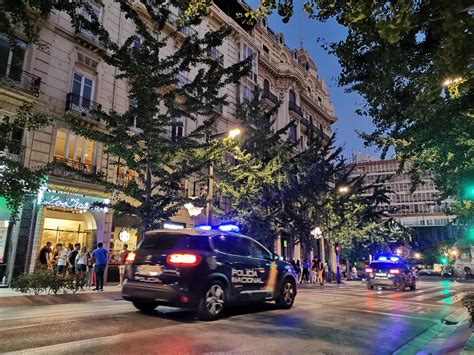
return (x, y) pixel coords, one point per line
(382, 258)
(229, 228)
(203, 227)
(394, 258)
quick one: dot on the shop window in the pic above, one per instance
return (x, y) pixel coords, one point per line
(75, 150)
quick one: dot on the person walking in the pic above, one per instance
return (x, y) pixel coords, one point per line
(123, 258)
(90, 271)
(81, 266)
(71, 259)
(100, 261)
(321, 272)
(44, 258)
(314, 271)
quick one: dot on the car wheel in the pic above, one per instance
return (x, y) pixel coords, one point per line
(401, 287)
(413, 285)
(369, 287)
(212, 301)
(287, 295)
(145, 306)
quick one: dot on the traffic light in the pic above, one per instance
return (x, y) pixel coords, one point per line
(337, 248)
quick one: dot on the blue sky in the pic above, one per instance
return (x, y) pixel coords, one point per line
(300, 28)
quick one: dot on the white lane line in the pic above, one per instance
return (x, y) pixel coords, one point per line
(398, 315)
(66, 313)
(103, 342)
(447, 293)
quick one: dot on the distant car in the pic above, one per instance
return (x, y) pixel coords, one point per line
(390, 274)
(205, 270)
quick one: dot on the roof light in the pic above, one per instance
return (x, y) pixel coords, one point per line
(203, 227)
(382, 258)
(229, 228)
(171, 225)
(394, 258)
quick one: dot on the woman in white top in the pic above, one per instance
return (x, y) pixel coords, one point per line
(81, 265)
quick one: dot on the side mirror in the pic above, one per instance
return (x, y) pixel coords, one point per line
(276, 257)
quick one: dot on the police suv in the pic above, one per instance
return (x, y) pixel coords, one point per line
(205, 270)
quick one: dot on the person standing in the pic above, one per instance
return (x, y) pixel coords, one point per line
(61, 259)
(100, 261)
(305, 275)
(71, 259)
(44, 259)
(298, 270)
(123, 258)
(81, 266)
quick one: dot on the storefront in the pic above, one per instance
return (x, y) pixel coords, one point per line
(70, 215)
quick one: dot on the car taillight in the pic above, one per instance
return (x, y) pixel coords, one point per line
(183, 259)
(369, 269)
(394, 271)
(130, 257)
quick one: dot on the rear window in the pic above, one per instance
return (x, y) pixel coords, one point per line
(174, 242)
(383, 265)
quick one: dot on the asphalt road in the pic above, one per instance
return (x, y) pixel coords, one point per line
(332, 320)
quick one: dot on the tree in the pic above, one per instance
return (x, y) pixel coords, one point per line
(159, 159)
(411, 62)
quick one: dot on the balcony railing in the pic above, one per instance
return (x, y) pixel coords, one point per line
(82, 106)
(186, 30)
(292, 106)
(15, 152)
(124, 179)
(19, 79)
(89, 36)
(215, 54)
(267, 94)
(318, 131)
(64, 173)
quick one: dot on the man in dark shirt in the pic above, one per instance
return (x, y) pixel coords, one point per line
(71, 259)
(44, 256)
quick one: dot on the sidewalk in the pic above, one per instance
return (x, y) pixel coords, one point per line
(11, 298)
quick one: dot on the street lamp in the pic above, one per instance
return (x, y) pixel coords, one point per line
(344, 190)
(417, 256)
(232, 134)
(448, 82)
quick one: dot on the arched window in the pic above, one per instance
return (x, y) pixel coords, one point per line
(292, 97)
(266, 85)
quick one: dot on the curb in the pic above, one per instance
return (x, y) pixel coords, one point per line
(42, 300)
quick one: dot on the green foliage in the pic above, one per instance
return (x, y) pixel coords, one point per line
(43, 282)
(160, 160)
(398, 57)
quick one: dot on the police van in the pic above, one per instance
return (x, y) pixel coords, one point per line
(205, 269)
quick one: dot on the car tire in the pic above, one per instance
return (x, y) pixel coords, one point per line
(401, 287)
(212, 302)
(287, 294)
(145, 306)
(413, 285)
(369, 287)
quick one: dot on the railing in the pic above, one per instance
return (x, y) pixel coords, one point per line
(186, 30)
(15, 152)
(89, 35)
(62, 172)
(19, 79)
(215, 54)
(292, 106)
(267, 94)
(124, 179)
(82, 106)
(318, 131)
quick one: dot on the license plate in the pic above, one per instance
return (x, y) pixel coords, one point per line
(381, 277)
(380, 274)
(149, 270)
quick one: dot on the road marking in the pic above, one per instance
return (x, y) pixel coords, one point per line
(388, 314)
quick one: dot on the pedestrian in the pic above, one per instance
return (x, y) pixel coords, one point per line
(90, 270)
(123, 258)
(61, 259)
(305, 275)
(81, 266)
(326, 271)
(321, 277)
(44, 259)
(71, 259)
(298, 270)
(100, 261)
(314, 271)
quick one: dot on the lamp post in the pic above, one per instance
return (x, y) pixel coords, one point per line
(342, 190)
(232, 134)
